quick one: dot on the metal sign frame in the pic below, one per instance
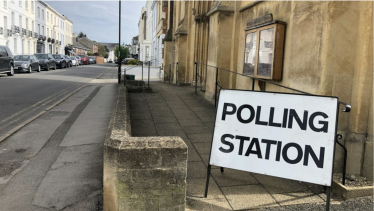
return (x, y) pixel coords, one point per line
(328, 188)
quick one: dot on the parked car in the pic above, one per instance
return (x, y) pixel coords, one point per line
(124, 61)
(84, 59)
(74, 61)
(79, 60)
(60, 60)
(46, 61)
(6, 61)
(26, 63)
(68, 61)
(91, 60)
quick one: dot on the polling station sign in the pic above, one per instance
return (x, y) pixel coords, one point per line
(284, 135)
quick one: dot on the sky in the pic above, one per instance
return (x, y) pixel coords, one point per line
(99, 19)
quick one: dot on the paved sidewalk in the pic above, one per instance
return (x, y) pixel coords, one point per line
(176, 111)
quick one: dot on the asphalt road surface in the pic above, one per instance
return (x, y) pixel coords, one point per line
(52, 127)
(25, 96)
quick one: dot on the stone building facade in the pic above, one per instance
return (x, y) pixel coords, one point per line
(328, 50)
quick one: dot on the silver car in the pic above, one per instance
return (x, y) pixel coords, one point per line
(74, 61)
(26, 63)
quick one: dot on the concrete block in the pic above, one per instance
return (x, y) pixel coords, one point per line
(368, 161)
(145, 173)
(355, 147)
(349, 193)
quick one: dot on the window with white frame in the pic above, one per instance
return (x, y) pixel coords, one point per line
(32, 26)
(29, 47)
(15, 45)
(23, 46)
(5, 4)
(39, 29)
(27, 24)
(47, 16)
(32, 6)
(43, 30)
(27, 4)
(13, 19)
(20, 21)
(47, 32)
(42, 14)
(38, 12)
(5, 23)
(20, 3)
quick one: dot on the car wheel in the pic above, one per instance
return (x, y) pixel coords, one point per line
(47, 68)
(38, 68)
(11, 73)
(30, 69)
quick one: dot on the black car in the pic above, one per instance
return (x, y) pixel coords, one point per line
(26, 63)
(6, 61)
(60, 60)
(68, 61)
(46, 61)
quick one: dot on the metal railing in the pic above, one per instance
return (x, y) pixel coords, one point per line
(133, 66)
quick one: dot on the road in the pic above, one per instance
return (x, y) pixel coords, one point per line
(25, 96)
(52, 128)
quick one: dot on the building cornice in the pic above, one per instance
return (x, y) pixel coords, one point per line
(250, 5)
(219, 6)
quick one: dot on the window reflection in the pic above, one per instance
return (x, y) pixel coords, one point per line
(250, 53)
(265, 57)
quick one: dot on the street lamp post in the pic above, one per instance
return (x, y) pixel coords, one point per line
(119, 46)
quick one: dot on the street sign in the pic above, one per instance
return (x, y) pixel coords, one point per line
(284, 135)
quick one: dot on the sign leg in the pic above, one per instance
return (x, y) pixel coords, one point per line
(207, 181)
(328, 194)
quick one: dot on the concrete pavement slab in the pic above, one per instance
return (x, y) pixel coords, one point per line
(280, 185)
(196, 170)
(297, 198)
(248, 197)
(143, 131)
(192, 155)
(202, 148)
(164, 120)
(232, 177)
(202, 137)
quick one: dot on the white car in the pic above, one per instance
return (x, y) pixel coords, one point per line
(74, 61)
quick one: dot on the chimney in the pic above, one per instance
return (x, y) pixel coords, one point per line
(85, 35)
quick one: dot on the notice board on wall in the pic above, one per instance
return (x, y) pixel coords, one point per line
(284, 135)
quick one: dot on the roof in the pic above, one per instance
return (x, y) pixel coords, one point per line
(110, 46)
(80, 45)
(92, 42)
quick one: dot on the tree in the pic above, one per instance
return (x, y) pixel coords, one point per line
(102, 49)
(124, 52)
(81, 34)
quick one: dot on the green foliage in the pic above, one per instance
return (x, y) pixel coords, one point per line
(81, 34)
(102, 50)
(133, 62)
(89, 53)
(124, 52)
(106, 48)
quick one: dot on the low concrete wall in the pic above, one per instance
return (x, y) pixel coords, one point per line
(142, 173)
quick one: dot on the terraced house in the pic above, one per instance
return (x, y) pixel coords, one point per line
(26, 25)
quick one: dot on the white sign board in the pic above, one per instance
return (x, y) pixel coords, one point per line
(277, 134)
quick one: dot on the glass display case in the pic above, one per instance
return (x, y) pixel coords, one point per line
(263, 55)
